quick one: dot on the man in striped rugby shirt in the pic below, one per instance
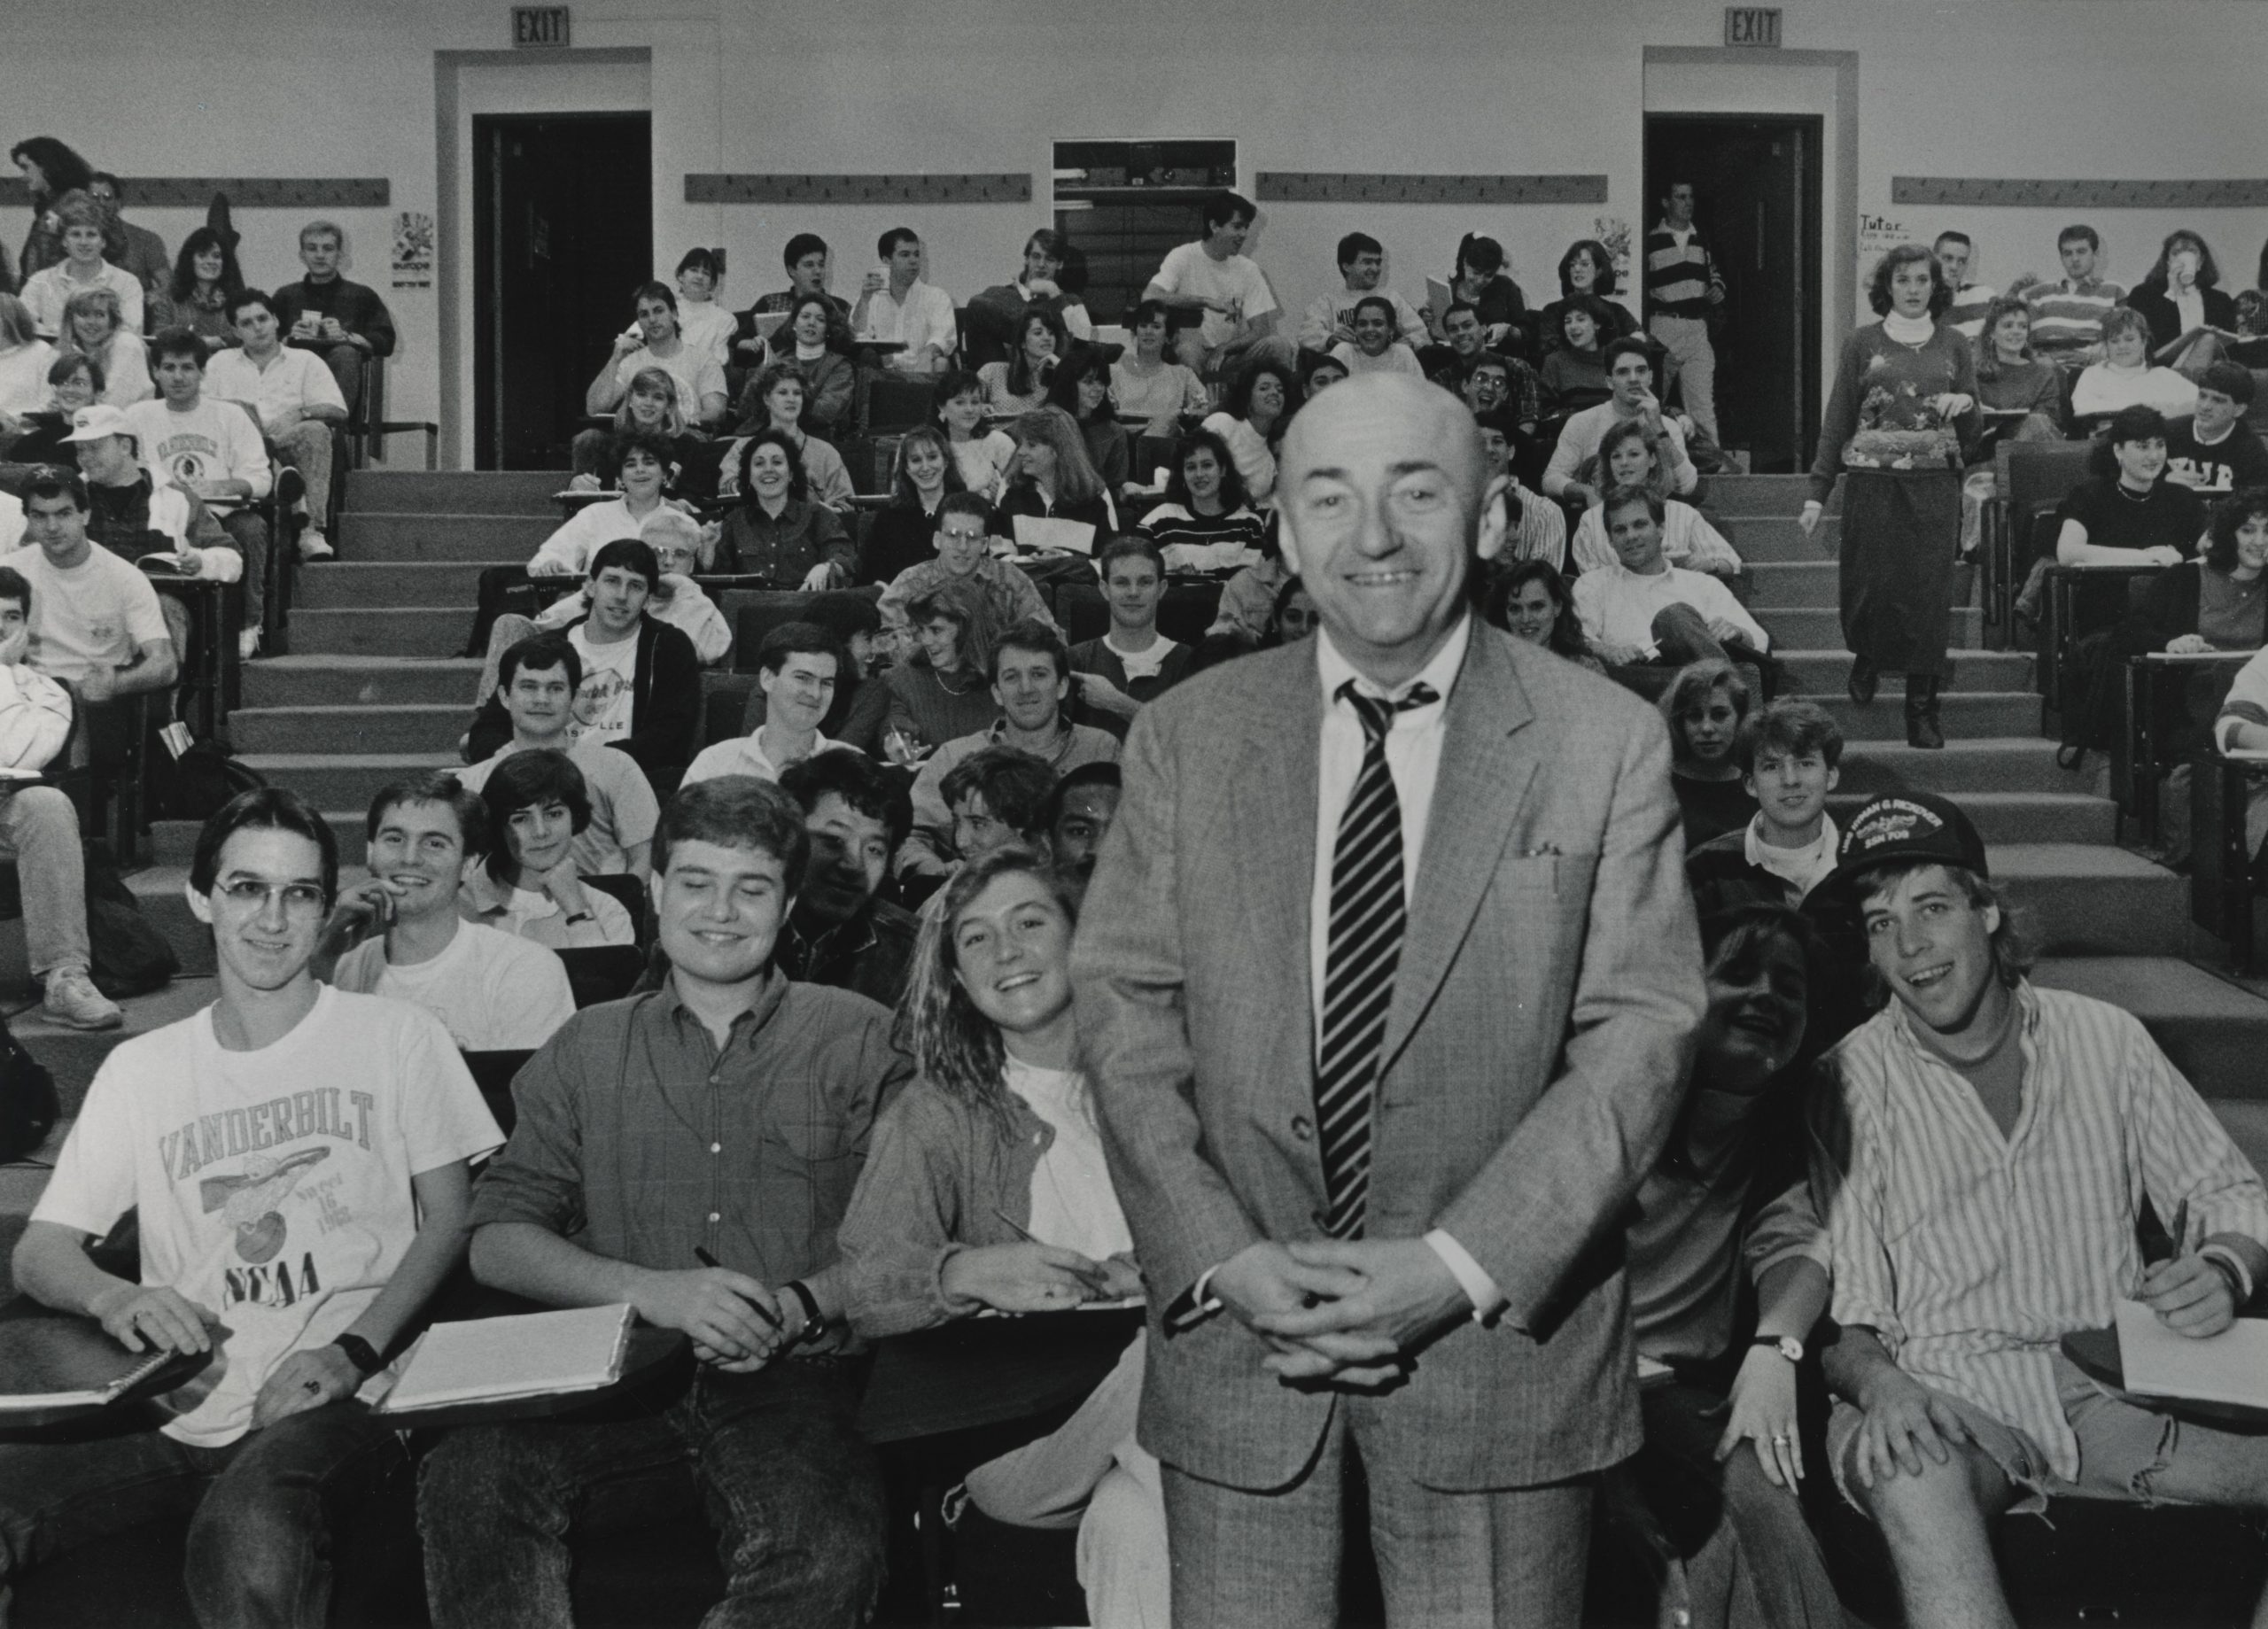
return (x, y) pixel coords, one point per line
(1982, 1149)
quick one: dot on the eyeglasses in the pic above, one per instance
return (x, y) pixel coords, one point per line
(299, 898)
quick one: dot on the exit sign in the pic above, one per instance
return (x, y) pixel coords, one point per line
(546, 26)
(1752, 25)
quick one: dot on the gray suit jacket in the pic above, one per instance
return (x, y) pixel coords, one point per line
(1538, 1042)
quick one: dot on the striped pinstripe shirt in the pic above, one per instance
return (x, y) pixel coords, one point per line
(1972, 1255)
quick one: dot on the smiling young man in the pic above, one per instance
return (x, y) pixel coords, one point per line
(2014, 1130)
(2214, 453)
(653, 341)
(207, 448)
(297, 1158)
(95, 620)
(342, 322)
(796, 669)
(1646, 618)
(1791, 755)
(2067, 315)
(1630, 372)
(1362, 269)
(841, 932)
(727, 1113)
(1031, 680)
(1131, 662)
(896, 305)
(295, 396)
(492, 990)
(1213, 279)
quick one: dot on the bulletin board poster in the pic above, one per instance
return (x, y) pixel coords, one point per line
(1878, 235)
(413, 250)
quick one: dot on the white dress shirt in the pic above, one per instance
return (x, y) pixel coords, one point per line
(1617, 606)
(1413, 757)
(923, 318)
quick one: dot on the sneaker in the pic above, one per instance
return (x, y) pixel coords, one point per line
(247, 644)
(73, 1002)
(314, 546)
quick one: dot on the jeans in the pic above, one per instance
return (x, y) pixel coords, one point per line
(1693, 362)
(261, 1510)
(1682, 637)
(39, 830)
(795, 1492)
(247, 529)
(307, 448)
(345, 364)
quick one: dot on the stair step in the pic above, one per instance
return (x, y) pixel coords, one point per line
(1758, 537)
(1762, 495)
(350, 729)
(458, 492)
(363, 681)
(349, 584)
(2215, 1033)
(486, 539)
(2090, 899)
(343, 779)
(1964, 713)
(1819, 674)
(1818, 627)
(1959, 767)
(380, 630)
(2018, 817)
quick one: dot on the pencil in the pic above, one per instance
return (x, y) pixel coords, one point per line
(1022, 1232)
(706, 1259)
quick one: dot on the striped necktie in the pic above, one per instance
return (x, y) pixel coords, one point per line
(1368, 914)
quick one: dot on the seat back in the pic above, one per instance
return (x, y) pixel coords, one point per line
(493, 1073)
(630, 893)
(602, 972)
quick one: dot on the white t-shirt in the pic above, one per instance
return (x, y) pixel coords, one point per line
(1397, 358)
(49, 290)
(745, 754)
(706, 328)
(567, 552)
(1188, 269)
(624, 808)
(215, 440)
(603, 704)
(98, 614)
(23, 378)
(1073, 1204)
(290, 382)
(493, 992)
(274, 1186)
(697, 372)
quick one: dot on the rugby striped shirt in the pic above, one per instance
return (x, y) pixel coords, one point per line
(1679, 275)
(2067, 316)
(1971, 1256)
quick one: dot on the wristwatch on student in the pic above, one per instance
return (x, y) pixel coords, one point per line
(360, 1352)
(1787, 1346)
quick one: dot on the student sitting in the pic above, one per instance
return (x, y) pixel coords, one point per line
(1079, 814)
(2125, 378)
(1530, 601)
(860, 712)
(678, 600)
(1252, 419)
(995, 316)
(996, 796)
(1585, 278)
(1630, 454)
(987, 1190)
(490, 990)
(749, 1100)
(895, 305)
(1479, 280)
(25, 359)
(964, 526)
(134, 516)
(2127, 513)
(1133, 662)
(1213, 279)
(775, 400)
(75, 380)
(776, 531)
(797, 669)
(1205, 524)
(807, 257)
(2022, 394)
(531, 884)
(903, 533)
(654, 342)
(842, 932)
(1574, 378)
(1019, 385)
(211, 449)
(2190, 316)
(1790, 757)
(939, 689)
(639, 463)
(982, 455)
(1080, 388)
(292, 394)
(1705, 706)
(312, 1256)
(1374, 347)
(2214, 453)
(830, 380)
(1954, 1401)
(689, 467)
(1537, 527)
(1055, 499)
(1143, 381)
(93, 327)
(95, 620)
(1248, 600)
(1646, 618)
(1031, 680)
(48, 292)
(536, 687)
(1362, 268)
(641, 688)
(1727, 1280)
(1451, 364)
(341, 322)
(1318, 373)
(2067, 315)
(1630, 372)
(703, 324)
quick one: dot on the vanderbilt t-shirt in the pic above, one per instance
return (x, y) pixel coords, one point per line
(274, 1186)
(603, 705)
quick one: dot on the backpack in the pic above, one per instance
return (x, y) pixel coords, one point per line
(205, 778)
(28, 1104)
(126, 954)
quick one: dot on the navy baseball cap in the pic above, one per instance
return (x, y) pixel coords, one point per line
(1913, 826)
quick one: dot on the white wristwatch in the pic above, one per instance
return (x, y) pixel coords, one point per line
(1787, 1346)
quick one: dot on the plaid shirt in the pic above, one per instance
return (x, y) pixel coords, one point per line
(639, 1138)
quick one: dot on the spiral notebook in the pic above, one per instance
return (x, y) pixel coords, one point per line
(109, 1391)
(531, 1354)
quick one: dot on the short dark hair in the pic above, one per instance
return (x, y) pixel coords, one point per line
(1456, 305)
(243, 298)
(654, 288)
(1148, 311)
(2229, 515)
(959, 382)
(1787, 725)
(439, 787)
(1129, 545)
(1941, 292)
(709, 261)
(800, 639)
(961, 503)
(169, 342)
(539, 653)
(1602, 284)
(14, 586)
(2233, 380)
(886, 245)
(52, 481)
(858, 782)
(631, 554)
(1357, 244)
(624, 442)
(1034, 635)
(529, 780)
(1224, 207)
(1621, 497)
(2079, 233)
(1102, 772)
(1626, 344)
(1962, 238)
(845, 614)
(104, 178)
(68, 362)
(264, 809)
(801, 244)
(1015, 786)
(1393, 317)
(736, 811)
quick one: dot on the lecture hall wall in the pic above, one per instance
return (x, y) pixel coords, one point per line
(2023, 89)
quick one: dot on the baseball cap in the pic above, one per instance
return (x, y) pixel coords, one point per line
(96, 422)
(1916, 826)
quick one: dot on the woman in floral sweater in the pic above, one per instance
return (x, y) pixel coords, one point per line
(1904, 402)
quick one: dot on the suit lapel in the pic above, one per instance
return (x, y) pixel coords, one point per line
(1487, 768)
(1274, 806)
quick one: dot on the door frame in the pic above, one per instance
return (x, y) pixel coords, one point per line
(1813, 361)
(605, 80)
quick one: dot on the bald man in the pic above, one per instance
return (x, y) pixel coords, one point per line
(1378, 1078)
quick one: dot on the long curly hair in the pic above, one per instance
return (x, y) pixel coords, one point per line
(184, 278)
(955, 1047)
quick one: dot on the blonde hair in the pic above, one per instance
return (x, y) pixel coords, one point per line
(1075, 480)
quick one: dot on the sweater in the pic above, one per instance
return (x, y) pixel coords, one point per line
(1680, 277)
(358, 308)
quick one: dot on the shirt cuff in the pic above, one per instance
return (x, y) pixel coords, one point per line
(1488, 1299)
(1193, 1306)
(2234, 1262)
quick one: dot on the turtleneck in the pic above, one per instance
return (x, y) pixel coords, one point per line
(1908, 330)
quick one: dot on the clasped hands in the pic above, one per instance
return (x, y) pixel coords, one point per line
(1343, 1312)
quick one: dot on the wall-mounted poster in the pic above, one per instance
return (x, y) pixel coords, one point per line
(413, 250)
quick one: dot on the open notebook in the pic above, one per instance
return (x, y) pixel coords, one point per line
(110, 1391)
(2231, 1367)
(531, 1354)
